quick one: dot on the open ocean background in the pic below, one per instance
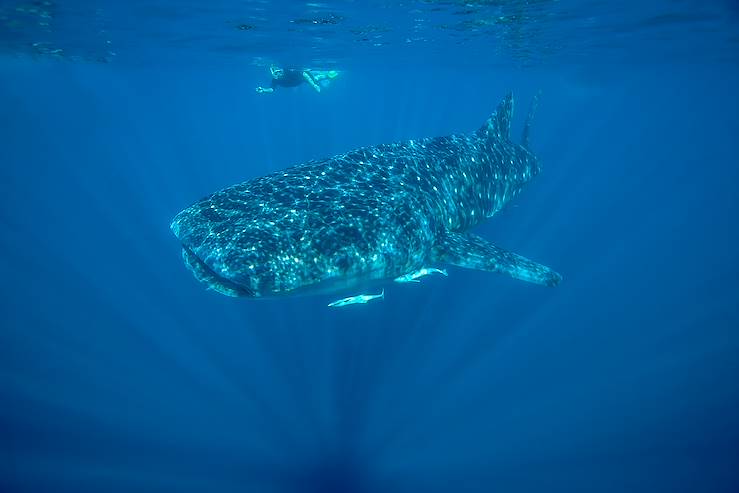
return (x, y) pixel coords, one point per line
(120, 372)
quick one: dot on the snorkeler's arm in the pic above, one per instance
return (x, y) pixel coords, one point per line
(309, 78)
(262, 90)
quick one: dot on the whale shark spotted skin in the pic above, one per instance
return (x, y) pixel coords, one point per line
(365, 217)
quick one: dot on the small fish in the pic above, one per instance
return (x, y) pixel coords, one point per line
(361, 298)
(425, 271)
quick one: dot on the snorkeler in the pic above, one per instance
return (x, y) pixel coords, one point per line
(294, 77)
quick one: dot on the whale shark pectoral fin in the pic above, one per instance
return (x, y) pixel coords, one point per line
(472, 252)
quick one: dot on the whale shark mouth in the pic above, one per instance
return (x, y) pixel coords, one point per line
(217, 283)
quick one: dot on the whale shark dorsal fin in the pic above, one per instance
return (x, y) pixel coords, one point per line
(499, 123)
(472, 252)
(529, 119)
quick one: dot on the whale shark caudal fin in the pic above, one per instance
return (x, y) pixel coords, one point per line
(472, 252)
(529, 119)
(499, 124)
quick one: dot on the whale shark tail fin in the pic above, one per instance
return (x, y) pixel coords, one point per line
(498, 126)
(472, 252)
(529, 119)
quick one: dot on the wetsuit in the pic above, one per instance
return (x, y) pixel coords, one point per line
(290, 78)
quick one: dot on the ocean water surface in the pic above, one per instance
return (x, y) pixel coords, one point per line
(120, 372)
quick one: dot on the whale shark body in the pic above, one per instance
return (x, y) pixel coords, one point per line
(371, 215)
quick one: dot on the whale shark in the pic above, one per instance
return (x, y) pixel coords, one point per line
(366, 217)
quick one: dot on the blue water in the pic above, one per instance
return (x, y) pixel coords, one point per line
(120, 372)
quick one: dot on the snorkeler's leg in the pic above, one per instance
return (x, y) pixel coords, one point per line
(309, 78)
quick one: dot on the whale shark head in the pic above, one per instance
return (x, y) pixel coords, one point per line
(225, 261)
(214, 281)
(234, 251)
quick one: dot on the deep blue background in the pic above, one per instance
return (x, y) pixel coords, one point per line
(119, 372)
